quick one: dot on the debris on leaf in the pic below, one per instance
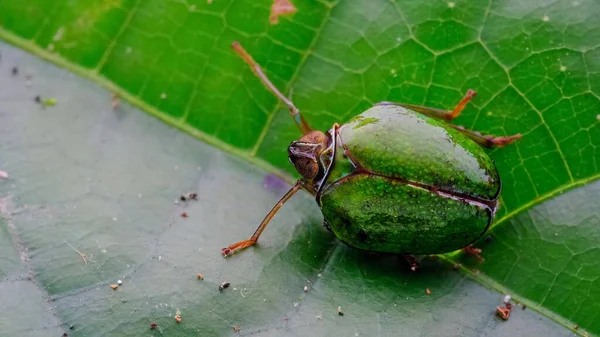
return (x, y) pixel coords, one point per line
(182, 198)
(503, 312)
(15, 70)
(575, 327)
(114, 286)
(305, 288)
(153, 326)
(119, 282)
(184, 215)
(193, 196)
(3, 175)
(38, 99)
(427, 291)
(281, 7)
(178, 318)
(236, 328)
(275, 183)
(65, 335)
(340, 312)
(224, 285)
(507, 299)
(200, 276)
(49, 102)
(523, 307)
(115, 101)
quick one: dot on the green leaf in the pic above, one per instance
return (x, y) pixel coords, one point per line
(84, 179)
(534, 64)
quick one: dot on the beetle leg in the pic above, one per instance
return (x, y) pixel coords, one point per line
(475, 252)
(257, 70)
(486, 140)
(247, 243)
(414, 266)
(439, 113)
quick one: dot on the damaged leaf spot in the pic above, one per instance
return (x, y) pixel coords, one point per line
(281, 7)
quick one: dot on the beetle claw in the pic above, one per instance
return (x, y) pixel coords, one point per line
(475, 252)
(226, 252)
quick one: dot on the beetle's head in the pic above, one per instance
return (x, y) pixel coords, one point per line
(304, 153)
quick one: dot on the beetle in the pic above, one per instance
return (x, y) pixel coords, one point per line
(397, 178)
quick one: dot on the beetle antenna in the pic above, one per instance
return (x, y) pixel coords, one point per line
(257, 70)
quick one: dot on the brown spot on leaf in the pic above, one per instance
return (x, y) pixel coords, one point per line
(281, 7)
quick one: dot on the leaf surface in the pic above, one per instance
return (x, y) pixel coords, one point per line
(535, 66)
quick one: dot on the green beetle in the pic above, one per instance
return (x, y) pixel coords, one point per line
(394, 179)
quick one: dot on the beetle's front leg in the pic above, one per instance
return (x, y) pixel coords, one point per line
(254, 238)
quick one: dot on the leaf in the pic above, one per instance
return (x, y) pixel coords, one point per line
(85, 179)
(534, 65)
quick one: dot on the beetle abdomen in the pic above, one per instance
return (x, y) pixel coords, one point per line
(396, 142)
(382, 214)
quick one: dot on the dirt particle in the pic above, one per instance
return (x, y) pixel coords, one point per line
(340, 312)
(575, 327)
(236, 328)
(503, 312)
(114, 286)
(305, 288)
(119, 282)
(153, 326)
(15, 71)
(115, 101)
(184, 215)
(224, 285)
(200, 276)
(281, 7)
(49, 102)
(178, 318)
(427, 291)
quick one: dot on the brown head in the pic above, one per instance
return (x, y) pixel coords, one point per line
(304, 154)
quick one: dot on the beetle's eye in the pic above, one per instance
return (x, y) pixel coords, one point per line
(306, 167)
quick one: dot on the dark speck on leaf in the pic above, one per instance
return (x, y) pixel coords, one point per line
(38, 99)
(224, 285)
(15, 70)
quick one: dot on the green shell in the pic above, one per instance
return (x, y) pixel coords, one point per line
(406, 183)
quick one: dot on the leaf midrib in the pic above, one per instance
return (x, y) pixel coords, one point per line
(249, 156)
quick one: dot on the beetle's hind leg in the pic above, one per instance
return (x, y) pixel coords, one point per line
(486, 140)
(414, 265)
(475, 252)
(438, 113)
(483, 140)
